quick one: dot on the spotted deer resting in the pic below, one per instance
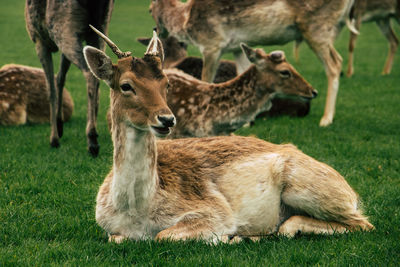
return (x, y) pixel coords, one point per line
(205, 188)
(24, 97)
(207, 109)
(176, 57)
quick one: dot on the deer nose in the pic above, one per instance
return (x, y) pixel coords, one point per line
(314, 93)
(166, 120)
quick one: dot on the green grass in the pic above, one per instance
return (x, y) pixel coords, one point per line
(47, 196)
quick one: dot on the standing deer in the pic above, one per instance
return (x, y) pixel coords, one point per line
(63, 25)
(208, 109)
(204, 188)
(216, 27)
(24, 96)
(379, 11)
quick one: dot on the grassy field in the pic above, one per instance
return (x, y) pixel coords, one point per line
(47, 196)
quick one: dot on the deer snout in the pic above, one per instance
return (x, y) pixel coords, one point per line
(164, 123)
(167, 120)
(314, 93)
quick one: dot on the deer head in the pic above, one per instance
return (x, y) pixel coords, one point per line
(278, 73)
(138, 87)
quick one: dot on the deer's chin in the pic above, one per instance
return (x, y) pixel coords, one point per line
(160, 131)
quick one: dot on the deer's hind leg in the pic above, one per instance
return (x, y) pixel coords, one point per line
(386, 29)
(46, 60)
(64, 66)
(74, 54)
(306, 225)
(322, 196)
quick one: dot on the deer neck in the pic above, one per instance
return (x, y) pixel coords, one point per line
(134, 169)
(241, 99)
(175, 17)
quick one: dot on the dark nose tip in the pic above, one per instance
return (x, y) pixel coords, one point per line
(314, 93)
(166, 120)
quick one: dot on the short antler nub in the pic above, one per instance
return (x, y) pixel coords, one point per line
(110, 43)
(155, 47)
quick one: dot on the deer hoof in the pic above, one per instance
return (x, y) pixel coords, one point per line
(325, 121)
(55, 143)
(60, 128)
(94, 150)
(118, 239)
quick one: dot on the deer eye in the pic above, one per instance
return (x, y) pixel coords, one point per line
(126, 87)
(285, 74)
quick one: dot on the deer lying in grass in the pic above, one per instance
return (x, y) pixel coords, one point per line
(205, 188)
(63, 25)
(208, 109)
(380, 11)
(216, 27)
(24, 97)
(176, 57)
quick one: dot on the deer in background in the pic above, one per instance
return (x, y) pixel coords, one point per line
(176, 57)
(208, 109)
(24, 96)
(175, 53)
(379, 11)
(63, 25)
(216, 27)
(204, 188)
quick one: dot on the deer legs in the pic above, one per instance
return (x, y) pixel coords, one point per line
(308, 225)
(74, 54)
(46, 60)
(64, 66)
(210, 64)
(333, 65)
(92, 109)
(199, 225)
(386, 29)
(242, 62)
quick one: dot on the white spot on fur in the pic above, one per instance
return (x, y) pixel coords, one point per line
(5, 105)
(181, 111)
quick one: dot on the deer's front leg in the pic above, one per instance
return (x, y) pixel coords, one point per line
(210, 64)
(210, 225)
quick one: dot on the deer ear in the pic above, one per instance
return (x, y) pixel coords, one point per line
(155, 47)
(99, 64)
(143, 40)
(251, 54)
